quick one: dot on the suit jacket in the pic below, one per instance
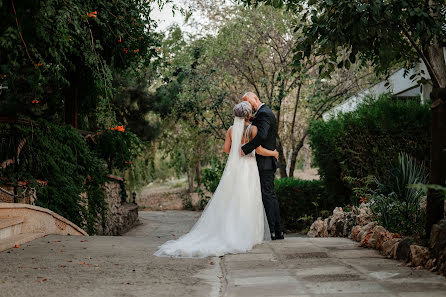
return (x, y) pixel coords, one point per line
(266, 124)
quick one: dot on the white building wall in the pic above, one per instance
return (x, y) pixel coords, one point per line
(399, 85)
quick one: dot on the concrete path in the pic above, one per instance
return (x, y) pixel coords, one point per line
(124, 266)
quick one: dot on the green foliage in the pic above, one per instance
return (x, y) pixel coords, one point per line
(397, 206)
(187, 201)
(50, 48)
(118, 149)
(365, 142)
(204, 199)
(211, 176)
(299, 199)
(384, 32)
(60, 155)
(427, 187)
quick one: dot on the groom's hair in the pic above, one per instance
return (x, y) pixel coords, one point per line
(242, 110)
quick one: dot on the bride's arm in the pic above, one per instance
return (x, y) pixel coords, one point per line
(228, 141)
(261, 150)
(267, 153)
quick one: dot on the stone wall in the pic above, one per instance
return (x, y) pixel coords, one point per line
(120, 216)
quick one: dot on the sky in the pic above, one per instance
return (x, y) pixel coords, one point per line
(166, 18)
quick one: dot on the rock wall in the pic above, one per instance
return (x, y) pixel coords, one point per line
(120, 216)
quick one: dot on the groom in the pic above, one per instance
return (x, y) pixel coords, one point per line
(266, 123)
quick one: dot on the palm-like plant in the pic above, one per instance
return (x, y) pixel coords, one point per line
(395, 202)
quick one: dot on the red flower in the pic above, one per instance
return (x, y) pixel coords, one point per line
(92, 14)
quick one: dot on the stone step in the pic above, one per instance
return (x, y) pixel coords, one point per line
(10, 227)
(18, 239)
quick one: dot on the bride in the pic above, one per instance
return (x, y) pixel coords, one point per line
(234, 219)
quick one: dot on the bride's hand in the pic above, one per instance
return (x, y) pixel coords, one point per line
(276, 154)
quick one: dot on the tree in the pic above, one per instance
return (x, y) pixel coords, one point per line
(57, 58)
(253, 50)
(385, 33)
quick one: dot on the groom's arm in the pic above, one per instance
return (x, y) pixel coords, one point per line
(262, 132)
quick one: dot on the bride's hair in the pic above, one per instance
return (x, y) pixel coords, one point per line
(242, 110)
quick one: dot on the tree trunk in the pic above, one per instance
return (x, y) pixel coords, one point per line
(296, 151)
(71, 104)
(282, 161)
(190, 177)
(437, 172)
(198, 173)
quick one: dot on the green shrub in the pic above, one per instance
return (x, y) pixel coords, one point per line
(211, 176)
(118, 148)
(301, 199)
(395, 203)
(60, 155)
(364, 142)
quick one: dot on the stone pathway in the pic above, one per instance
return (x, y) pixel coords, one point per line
(124, 266)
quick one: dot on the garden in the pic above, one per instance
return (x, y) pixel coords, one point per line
(91, 88)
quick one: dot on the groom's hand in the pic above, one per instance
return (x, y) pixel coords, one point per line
(241, 152)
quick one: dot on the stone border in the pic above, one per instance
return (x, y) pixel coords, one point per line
(358, 226)
(44, 210)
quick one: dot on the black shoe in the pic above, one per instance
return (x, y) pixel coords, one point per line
(273, 236)
(280, 236)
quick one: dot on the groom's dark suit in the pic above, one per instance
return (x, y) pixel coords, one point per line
(266, 124)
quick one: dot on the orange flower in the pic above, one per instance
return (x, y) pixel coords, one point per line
(125, 50)
(119, 128)
(363, 199)
(92, 14)
(35, 101)
(137, 50)
(120, 40)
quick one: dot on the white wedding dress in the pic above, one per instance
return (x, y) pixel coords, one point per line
(234, 219)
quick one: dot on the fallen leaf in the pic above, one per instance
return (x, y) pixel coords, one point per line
(63, 265)
(16, 246)
(84, 240)
(220, 277)
(81, 263)
(116, 264)
(70, 261)
(212, 263)
(173, 235)
(57, 241)
(43, 280)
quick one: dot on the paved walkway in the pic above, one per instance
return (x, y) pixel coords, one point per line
(124, 266)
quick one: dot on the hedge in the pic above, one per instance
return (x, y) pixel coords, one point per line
(368, 141)
(301, 202)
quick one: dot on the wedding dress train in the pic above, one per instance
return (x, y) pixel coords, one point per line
(234, 219)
